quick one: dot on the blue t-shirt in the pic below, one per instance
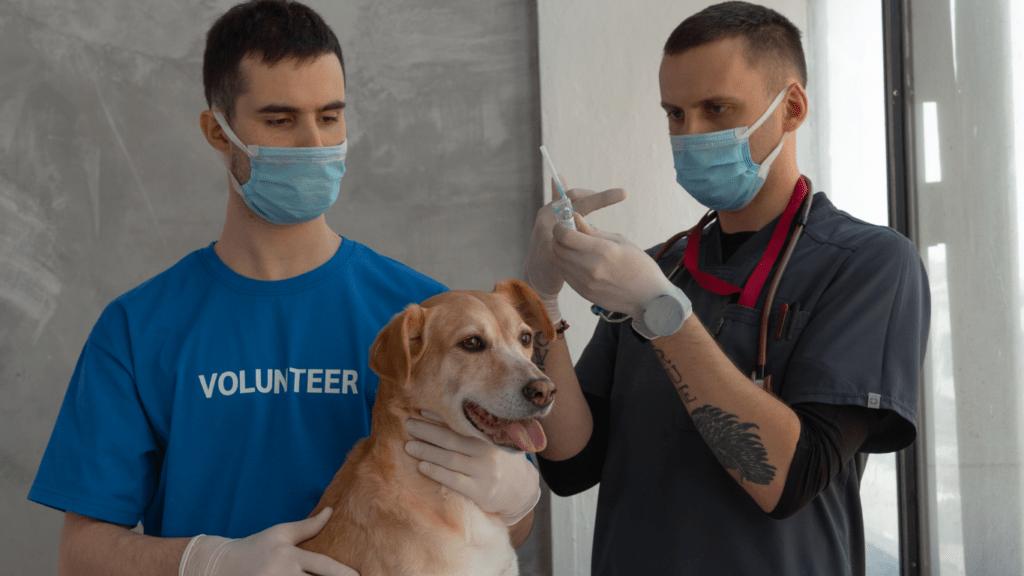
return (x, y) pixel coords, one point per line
(207, 402)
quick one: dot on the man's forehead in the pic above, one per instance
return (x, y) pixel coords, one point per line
(719, 69)
(313, 83)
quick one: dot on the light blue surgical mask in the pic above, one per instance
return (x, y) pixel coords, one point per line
(289, 185)
(716, 168)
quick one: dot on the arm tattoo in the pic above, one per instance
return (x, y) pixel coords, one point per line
(540, 348)
(733, 444)
(675, 376)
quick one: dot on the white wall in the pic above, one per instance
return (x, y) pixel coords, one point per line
(603, 125)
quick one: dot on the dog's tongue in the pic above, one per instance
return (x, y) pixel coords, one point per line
(527, 435)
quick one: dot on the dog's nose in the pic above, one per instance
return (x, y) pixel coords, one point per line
(540, 392)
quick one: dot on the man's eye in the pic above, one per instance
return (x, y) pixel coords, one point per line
(472, 344)
(675, 114)
(276, 121)
(330, 119)
(717, 109)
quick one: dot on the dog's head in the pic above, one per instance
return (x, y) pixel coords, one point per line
(466, 356)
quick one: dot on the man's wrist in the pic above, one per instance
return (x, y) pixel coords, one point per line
(199, 554)
(662, 315)
(514, 517)
(551, 306)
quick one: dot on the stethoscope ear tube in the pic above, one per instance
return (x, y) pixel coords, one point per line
(759, 375)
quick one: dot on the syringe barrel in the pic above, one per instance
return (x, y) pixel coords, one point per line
(563, 212)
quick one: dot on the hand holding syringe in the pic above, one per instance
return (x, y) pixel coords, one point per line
(563, 213)
(562, 206)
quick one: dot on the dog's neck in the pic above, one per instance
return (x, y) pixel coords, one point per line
(396, 467)
(391, 410)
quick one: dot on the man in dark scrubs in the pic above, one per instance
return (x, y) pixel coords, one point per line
(710, 460)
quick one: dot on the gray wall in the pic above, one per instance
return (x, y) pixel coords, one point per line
(105, 179)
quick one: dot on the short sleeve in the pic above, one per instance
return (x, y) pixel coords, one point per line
(865, 339)
(103, 458)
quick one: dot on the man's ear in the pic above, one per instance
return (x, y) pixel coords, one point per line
(528, 304)
(399, 344)
(213, 132)
(796, 106)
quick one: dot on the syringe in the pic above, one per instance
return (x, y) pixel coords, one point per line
(563, 213)
(562, 206)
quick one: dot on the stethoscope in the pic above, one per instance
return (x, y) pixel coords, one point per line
(758, 376)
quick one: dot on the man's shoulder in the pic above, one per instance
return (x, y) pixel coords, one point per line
(378, 270)
(180, 275)
(830, 225)
(154, 300)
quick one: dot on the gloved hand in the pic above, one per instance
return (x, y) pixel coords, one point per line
(607, 269)
(499, 481)
(272, 552)
(540, 272)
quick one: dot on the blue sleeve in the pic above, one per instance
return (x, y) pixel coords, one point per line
(103, 458)
(865, 341)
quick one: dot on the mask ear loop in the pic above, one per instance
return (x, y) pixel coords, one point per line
(767, 113)
(251, 152)
(226, 159)
(762, 172)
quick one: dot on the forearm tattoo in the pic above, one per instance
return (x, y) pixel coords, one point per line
(735, 446)
(540, 348)
(675, 376)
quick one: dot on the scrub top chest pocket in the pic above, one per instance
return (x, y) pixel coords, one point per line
(737, 330)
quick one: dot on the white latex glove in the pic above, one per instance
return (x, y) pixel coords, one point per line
(607, 269)
(541, 272)
(499, 481)
(272, 552)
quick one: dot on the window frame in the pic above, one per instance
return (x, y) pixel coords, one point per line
(912, 493)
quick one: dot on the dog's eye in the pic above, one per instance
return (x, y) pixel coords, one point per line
(526, 338)
(472, 344)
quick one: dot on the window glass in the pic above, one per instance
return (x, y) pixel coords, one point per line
(969, 138)
(845, 53)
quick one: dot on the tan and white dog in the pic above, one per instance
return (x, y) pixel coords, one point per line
(465, 356)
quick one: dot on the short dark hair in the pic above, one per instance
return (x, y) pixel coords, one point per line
(271, 29)
(771, 39)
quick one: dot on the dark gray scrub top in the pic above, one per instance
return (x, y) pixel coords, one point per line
(666, 505)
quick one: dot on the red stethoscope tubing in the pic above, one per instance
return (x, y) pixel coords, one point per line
(759, 374)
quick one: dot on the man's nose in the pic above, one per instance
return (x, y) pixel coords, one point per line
(541, 392)
(311, 137)
(695, 126)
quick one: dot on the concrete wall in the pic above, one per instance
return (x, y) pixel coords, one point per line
(105, 178)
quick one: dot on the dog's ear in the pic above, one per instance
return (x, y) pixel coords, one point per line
(399, 344)
(528, 304)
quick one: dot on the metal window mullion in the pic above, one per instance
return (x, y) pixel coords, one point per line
(899, 109)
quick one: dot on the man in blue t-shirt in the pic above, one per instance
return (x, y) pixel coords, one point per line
(216, 401)
(724, 444)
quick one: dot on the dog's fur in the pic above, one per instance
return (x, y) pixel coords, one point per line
(391, 520)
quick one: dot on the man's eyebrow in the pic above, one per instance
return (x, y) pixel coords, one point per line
(721, 98)
(702, 102)
(284, 109)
